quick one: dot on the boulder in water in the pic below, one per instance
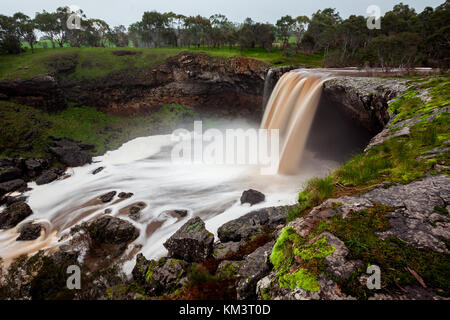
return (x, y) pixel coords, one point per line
(107, 197)
(29, 232)
(111, 230)
(192, 242)
(253, 197)
(14, 214)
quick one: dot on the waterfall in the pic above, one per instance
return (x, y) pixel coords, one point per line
(291, 109)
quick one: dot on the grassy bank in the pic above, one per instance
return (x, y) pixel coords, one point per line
(92, 63)
(24, 130)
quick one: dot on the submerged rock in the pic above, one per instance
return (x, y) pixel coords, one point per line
(107, 197)
(14, 214)
(98, 170)
(192, 242)
(125, 195)
(29, 232)
(253, 197)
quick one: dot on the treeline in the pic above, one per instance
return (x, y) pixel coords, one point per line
(406, 38)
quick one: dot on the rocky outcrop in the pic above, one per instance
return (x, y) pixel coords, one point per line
(416, 216)
(192, 242)
(364, 99)
(71, 153)
(40, 92)
(255, 267)
(252, 223)
(14, 214)
(220, 87)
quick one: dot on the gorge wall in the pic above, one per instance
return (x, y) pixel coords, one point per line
(224, 88)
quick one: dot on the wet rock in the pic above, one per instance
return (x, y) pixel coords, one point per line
(98, 170)
(125, 195)
(70, 153)
(253, 197)
(9, 200)
(135, 213)
(9, 173)
(192, 242)
(255, 267)
(14, 214)
(29, 232)
(47, 177)
(252, 223)
(222, 250)
(12, 185)
(180, 213)
(107, 197)
(111, 230)
(34, 167)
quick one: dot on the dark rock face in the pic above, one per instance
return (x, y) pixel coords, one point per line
(364, 99)
(40, 92)
(220, 87)
(107, 197)
(29, 232)
(11, 186)
(255, 267)
(70, 152)
(192, 242)
(14, 214)
(253, 197)
(47, 177)
(9, 173)
(9, 200)
(252, 223)
(111, 230)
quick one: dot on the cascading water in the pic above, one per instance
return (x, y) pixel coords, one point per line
(291, 109)
(143, 167)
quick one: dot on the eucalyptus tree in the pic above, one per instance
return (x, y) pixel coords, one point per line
(47, 23)
(285, 27)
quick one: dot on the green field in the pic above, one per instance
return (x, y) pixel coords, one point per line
(98, 62)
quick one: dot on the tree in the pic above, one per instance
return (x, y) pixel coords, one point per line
(247, 38)
(47, 23)
(25, 28)
(285, 27)
(299, 28)
(9, 35)
(153, 26)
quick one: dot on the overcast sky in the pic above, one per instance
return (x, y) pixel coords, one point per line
(125, 12)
